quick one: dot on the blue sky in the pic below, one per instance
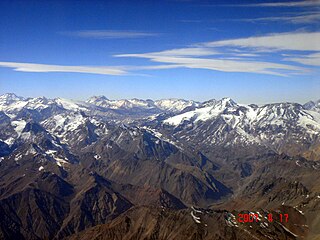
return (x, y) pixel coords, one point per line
(253, 52)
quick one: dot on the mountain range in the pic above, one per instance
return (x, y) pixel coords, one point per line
(165, 169)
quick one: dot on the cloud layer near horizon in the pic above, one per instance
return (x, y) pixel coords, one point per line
(244, 54)
(235, 55)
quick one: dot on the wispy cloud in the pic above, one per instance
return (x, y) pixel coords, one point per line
(197, 51)
(229, 65)
(310, 3)
(117, 70)
(217, 64)
(301, 19)
(33, 67)
(240, 55)
(305, 41)
(109, 34)
(245, 54)
(233, 55)
(310, 59)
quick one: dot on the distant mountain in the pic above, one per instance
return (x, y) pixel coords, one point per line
(165, 169)
(9, 98)
(314, 106)
(285, 127)
(102, 101)
(175, 105)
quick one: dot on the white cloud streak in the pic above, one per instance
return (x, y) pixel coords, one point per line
(220, 55)
(306, 41)
(109, 34)
(235, 55)
(197, 51)
(228, 65)
(310, 59)
(303, 18)
(122, 70)
(33, 67)
(223, 65)
(310, 3)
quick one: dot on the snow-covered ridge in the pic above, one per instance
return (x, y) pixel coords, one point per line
(71, 104)
(9, 98)
(175, 105)
(233, 113)
(215, 122)
(171, 105)
(314, 106)
(203, 113)
(102, 101)
(249, 124)
(306, 116)
(11, 102)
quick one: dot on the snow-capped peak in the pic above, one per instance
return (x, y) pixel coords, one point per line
(228, 101)
(102, 101)
(313, 105)
(209, 103)
(96, 99)
(38, 103)
(225, 103)
(277, 114)
(174, 104)
(9, 98)
(203, 113)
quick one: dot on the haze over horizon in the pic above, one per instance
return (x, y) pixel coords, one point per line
(253, 52)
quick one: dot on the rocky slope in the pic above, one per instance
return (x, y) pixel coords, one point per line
(134, 169)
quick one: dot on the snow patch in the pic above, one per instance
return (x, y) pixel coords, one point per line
(310, 121)
(18, 126)
(60, 162)
(50, 152)
(69, 104)
(286, 229)
(195, 218)
(298, 210)
(231, 220)
(18, 157)
(196, 210)
(264, 225)
(31, 151)
(174, 105)
(9, 141)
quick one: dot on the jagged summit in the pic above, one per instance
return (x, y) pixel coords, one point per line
(170, 104)
(94, 99)
(10, 95)
(312, 105)
(9, 98)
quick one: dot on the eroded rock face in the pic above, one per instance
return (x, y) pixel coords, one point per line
(162, 223)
